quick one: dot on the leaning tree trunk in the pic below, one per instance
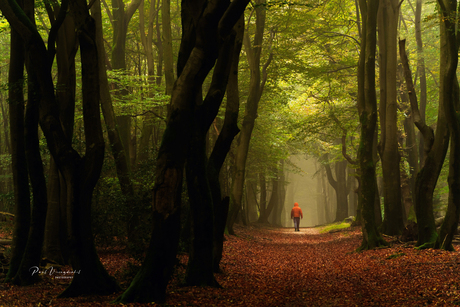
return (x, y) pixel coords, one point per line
(222, 147)
(367, 109)
(200, 265)
(435, 149)
(151, 281)
(256, 87)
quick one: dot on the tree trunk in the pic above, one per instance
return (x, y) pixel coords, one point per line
(32, 253)
(435, 149)
(151, 281)
(450, 94)
(263, 197)
(80, 174)
(222, 147)
(55, 228)
(167, 45)
(340, 187)
(54, 247)
(257, 83)
(18, 155)
(119, 150)
(422, 74)
(388, 30)
(367, 109)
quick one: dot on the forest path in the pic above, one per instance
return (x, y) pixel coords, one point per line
(268, 266)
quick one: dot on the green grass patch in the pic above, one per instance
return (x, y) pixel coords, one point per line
(335, 226)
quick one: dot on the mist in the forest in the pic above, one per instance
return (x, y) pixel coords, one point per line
(301, 188)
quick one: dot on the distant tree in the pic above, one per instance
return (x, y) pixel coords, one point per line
(340, 187)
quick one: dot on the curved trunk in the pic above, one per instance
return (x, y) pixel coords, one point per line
(222, 147)
(256, 86)
(151, 281)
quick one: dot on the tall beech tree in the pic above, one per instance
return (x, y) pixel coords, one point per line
(388, 147)
(206, 25)
(200, 265)
(367, 110)
(56, 248)
(18, 154)
(80, 173)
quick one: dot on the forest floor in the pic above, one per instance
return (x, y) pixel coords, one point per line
(267, 266)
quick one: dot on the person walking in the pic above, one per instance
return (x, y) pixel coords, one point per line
(296, 214)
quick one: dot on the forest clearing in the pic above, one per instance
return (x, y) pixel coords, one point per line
(269, 266)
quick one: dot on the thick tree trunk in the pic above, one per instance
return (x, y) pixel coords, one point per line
(68, 160)
(55, 229)
(450, 93)
(18, 155)
(55, 248)
(151, 281)
(32, 253)
(91, 277)
(367, 109)
(388, 22)
(200, 266)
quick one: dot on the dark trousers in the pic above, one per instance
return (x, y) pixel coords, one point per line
(296, 223)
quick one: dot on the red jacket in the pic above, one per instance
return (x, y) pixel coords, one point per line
(296, 211)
